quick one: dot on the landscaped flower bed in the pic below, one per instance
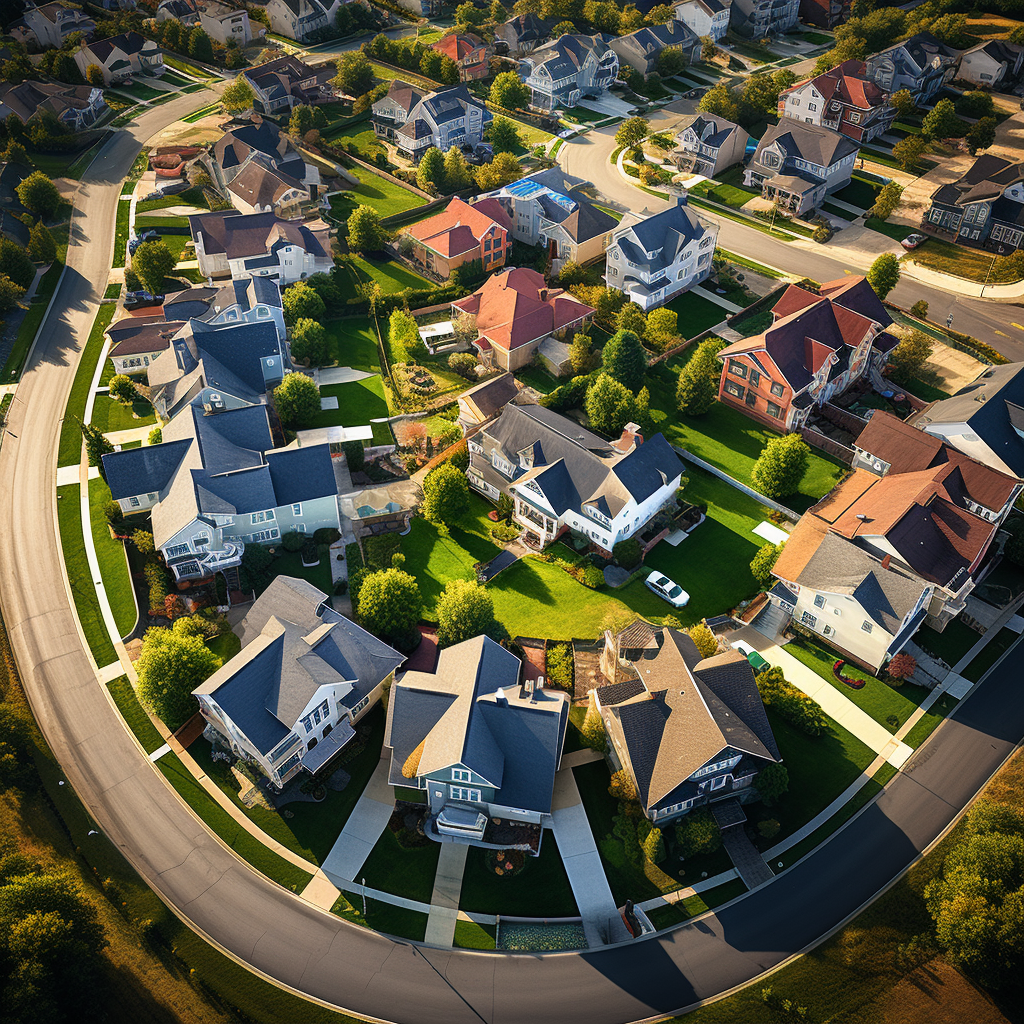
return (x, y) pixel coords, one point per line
(507, 863)
(851, 681)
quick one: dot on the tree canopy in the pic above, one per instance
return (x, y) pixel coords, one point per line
(297, 399)
(302, 302)
(465, 610)
(173, 662)
(781, 466)
(152, 262)
(509, 91)
(623, 358)
(884, 274)
(390, 605)
(238, 95)
(445, 494)
(366, 233)
(39, 195)
(697, 387)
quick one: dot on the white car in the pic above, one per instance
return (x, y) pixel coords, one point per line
(667, 590)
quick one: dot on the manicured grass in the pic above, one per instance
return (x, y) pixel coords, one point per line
(216, 818)
(741, 261)
(359, 401)
(140, 91)
(925, 391)
(860, 192)
(470, 935)
(382, 917)
(289, 563)
(696, 314)
(30, 324)
(951, 644)
(225, 645)
(531, 136)
(960, 261)
(360, 136)
(384, 196)
(390, 275)
(990, 654)
(134, 715)
(876, 698)
(189, 69)
(541, 889)
(730, 195)
(109, 415)
(353, 343)
(756, 323)
(399, 871)
(741, 218)
(930, 721)
(173, 79)
(894, 231)
(535, 376)
(117, 581)
(121, 228)
(694, 906)
(72, 542)
(113, 291)
(617, 214)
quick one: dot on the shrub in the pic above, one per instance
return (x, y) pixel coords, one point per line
(504, 533)
(293, 541)
(159, 584)
(113, 514)
(781, 465)
(763, 562)
(704, 639)
(697, 833)
(902, 666)
(445, 494)
(592, 729)
(920, 309)
(463, 364)
(156, 436)
(768, 829)
(627, 553)
(590, 576)
(561, 666)
(772, 782)
(143, 541)
(355, 455)
(326, 535)
(791, 704)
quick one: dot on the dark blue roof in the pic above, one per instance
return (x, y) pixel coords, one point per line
(143, 470)
(302, 474)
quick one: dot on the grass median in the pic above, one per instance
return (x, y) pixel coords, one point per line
(134, 714)
(114, 571)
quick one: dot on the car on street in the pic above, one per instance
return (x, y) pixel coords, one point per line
(913, 241)
(667, 590)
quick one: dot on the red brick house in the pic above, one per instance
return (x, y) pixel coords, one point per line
(817, 346)
(470, 52)
(460, 234)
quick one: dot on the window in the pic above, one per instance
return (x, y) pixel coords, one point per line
(719, 783)
(774, 410)
(175, 550)
(808, 619)
(737, 368)
(263, 517)
(359, 707)
(734, 389)
(777, 390)
(463, 793)
(134, 502)
(461, 775)
(819, 601)
(263, 535)
(755, 378)
(297, 509)
(751, 399)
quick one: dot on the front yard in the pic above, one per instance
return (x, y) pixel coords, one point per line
(110, 416)
(400, 870)
(961, 261)
(110, 553)
(696, 314)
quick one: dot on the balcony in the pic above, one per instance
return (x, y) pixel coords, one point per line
(227, 557)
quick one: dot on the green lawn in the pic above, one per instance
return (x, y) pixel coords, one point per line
(894, 231)
(121, 229)
(384, 196)
(134, 715)
(756, 323)
(389, 274)
(382, 917)
(109, 415)
(990, 654)
(876, 698)
(359, 401)
(951, 644)
(399, 871)
(289, 563)
(930, 721)
(860, 192)
(353, 343)
(225, 645)
(960, 261)
(360, 137)
(470, 935)
(536, 377)
(141, 92)
(117, 581)
(696, 314)
(30, 324)
(730, 195)
(541, 889)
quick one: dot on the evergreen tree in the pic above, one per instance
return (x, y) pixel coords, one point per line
(624, 359)
(780, 466)
(697, 389)
(41, 246)
(96, 446)
(457, 174)
(430, 173)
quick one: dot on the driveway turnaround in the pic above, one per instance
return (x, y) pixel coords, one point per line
(364, 827)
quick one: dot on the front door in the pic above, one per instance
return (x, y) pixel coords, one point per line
(436, 795)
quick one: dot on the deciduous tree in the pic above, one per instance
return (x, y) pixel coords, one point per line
(981, 134)
(390, 605)
(238, 95)
(503, 135)
(355, 74)
(445, 494)
(903, 102)
(430, 173)
(152, 262)
(623, 358)
(366, 233)
(509, 91)
(697, 833)
(763, 562)
(609, 405)
(884, 274)
(309, 342)
(908, 151)
(697, 388)
(457, 174)
(772, 782)
(941, 122)
(909, 356)
(302, 302)
(887, 200)
(173, 662)
(704, 638)
(41, 246)
(465, 610)
(781, 465)
(10, 293)
(632, 132)
(39, 195)
(297, 399)
(122, 388)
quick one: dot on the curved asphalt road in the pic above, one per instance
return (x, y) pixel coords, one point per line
(310, 951)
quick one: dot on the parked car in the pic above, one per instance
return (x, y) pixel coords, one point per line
(757, 663)
(135, 300)
(146, 236)
(667, 590)
(913, 241)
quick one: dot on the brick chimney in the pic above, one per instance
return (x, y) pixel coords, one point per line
(886, 559)
(631, 438)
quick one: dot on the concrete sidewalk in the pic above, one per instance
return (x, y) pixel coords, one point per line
(444, 900)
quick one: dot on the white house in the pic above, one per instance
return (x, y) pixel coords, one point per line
(704, 17)
(289, 700)
(249, 300)
(991, 64)
(300, 20)
(652, 257)
(225, 25)
(51, 24)
(121, 57)
(185, 11)
(708, 144)
(561, 72)
(415, 121)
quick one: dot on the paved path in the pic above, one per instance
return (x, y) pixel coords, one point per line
(839, 707)
(444, 900)
(601, 920)
(364, 827)
(321, 891)
(718, 300)
(746, 858)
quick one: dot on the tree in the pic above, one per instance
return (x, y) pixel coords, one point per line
(632, 132)
(761, 92)
(199, 45)
(238, 96)
(445, 494)
(503, 135)
(465, 610)
(909, 151)
(909, 356)
(297, 399)
(171, 665)
(355, 74)
(16, 263)
(15, 153)
(143, 541)
(697, 389)
(309, 342)
(39, 195)
(152, 262)
(941, 122)
(903, 102)
(901, 666)
(631, 318)
(96, 446)
(94, 76)
(580, 355)
(430, 173)
(982, 134)
(301, 120)
(662, 331)
(563, 28)
(887, 200)
(654, 846)
(697, 833)
(457, 174)
(509, 91)
(592, 730)
(10, 293)
(403, 333)
(719, 100)
(448, 71)
(41, 246)
(609, 405)
(708, 50)
(920, 309)
(763, 562)
(621, 785)
(771, 782)
(623, 358)
(781, 465)
(498, 13)
(671, 62)
(704, 639)
(122, 388)
(503, 169)
(976, 104)
(302, 302)
(660, 14)
(884, 274)
(390, 605)
(365, 231)
(469, 14)
(156, 436)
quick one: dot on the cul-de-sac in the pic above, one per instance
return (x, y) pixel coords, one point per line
(511, 512)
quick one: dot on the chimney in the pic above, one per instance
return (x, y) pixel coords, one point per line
(631, 438)
(886, 559)
(500, 699)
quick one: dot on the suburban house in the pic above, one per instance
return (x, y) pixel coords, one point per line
(460, 234)
(77, 106)
(225, 25)
(260, 245)
(470, 52)
(984, 420)
(135, 341)
(563, 477)
(289, 700)
(286, 82)
(121, 56)
(301, 20)
(514, 312)
(522, 35)
(797, 164)
(654, 257)
(483, 745)
(760, 19)
(414, 121)
(984, 208)
(562, 72)
(897, 543)
(817, 347)
(825, 13)
(185, 11)
(549, 209)
(480, 404)
(704, 17)
(687, 730)
(250, 300)
(52, 24)
(708, 144)
(642, 49)
(220, 481)
(991, 64)
(843, 99)
(921, 64)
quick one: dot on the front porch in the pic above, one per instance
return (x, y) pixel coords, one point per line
(468, 826)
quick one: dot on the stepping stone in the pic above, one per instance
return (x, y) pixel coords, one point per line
(330, 402)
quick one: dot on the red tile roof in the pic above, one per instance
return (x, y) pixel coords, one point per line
(457, 46)
(459, 227)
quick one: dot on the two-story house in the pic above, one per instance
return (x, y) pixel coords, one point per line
(219, 481)
(825, 13)
(687, 730)
(817, 347)
(135, 341)
(844, 100)
(185, 11)
(797, 164)
(550, 209)
(921, 64)
(224, 25)
(77, 106)
(51, 24)
(562, 72)
(522, 35)
(469, 51)
(460, 234)
(392, 110)
(121, 56)
(984, 208)
(289, 700)
(260, 245)
(761, 19)
(642, 49)
(481, 745)
(704, 17)
(895, 544)
(286, 82)
(415, 122)
(708, 144)
(250, 300)
(562, 477)
(995, 64)
(301, 20)
(513, 312)
(654, 257)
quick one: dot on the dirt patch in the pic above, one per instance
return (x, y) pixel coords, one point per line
(935, 994)
(955, 369)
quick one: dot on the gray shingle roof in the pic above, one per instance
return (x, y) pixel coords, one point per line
(807, 141)
(135, 471)
(666, 234)
(566, 55)
(253, 234)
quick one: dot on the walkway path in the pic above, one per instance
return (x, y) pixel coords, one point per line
(718, 300)
(444, 900)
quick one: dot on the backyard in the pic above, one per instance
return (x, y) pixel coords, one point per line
(384, 196)
(696, 314)
(389, 274)
(359, 137)
(359, 402)
(352, 342)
